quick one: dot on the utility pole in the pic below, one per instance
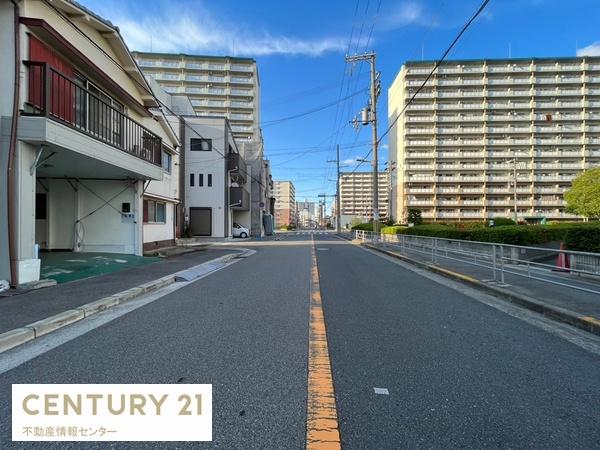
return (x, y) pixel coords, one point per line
(324, 197)
(338, 214)
(369, 115)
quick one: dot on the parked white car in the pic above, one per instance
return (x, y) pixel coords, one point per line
(240, 231)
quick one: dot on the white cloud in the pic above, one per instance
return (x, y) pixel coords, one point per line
(177, 33)
(408, 13)
(350, 161)
(384, 146)
(590, 50)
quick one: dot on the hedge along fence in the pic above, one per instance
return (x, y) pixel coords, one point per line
(580, 237)
(364, 226)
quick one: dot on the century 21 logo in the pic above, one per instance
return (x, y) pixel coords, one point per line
(99, 404)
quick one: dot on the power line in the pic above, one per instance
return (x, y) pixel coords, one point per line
(437, 64)
(311, 111)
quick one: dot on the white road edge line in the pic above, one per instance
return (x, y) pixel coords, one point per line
(23, 353)
(580, 338)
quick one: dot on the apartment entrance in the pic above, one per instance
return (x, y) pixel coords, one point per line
(201, 221)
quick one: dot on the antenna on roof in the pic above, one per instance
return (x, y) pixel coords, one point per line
(422, 51)
(510, 50)
(150, 42)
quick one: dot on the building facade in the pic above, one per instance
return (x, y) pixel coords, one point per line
(221, 86)
(356, 195)
(307, 213)
(486, 137)
(285, 203)
(78, 135)
(216, 179)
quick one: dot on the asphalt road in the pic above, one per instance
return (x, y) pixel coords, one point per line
(459, 373)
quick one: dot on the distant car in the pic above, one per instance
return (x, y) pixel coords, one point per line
(240, 231)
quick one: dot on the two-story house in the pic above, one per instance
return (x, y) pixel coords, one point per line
(79, 140)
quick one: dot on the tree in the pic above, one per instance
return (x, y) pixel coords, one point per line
(584, 196)
(414, 216)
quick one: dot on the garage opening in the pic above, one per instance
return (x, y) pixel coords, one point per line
(201, 221)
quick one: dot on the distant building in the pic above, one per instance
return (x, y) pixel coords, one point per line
(285, 203)
(455, 150)
(356, 195)
(307, 213)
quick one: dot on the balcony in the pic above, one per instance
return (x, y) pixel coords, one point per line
(55, 96)
(239, 198)
(236, 166)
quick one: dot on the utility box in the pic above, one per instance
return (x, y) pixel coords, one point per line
(269, 224)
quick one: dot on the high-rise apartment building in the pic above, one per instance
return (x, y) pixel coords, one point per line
(216, 85)
(285, 203)
(221, 86)
(356, 194)
(484, 136)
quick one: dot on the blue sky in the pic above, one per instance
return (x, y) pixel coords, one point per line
(300, 48)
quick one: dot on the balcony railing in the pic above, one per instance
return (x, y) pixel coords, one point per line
(239, 198)
(54, 95)
(237, 167)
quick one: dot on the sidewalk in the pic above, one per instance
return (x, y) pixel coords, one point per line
(578, 308)
(23, 309)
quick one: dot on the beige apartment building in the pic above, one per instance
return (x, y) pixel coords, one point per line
(356, 195)
(221, 86)
(285, 203)
(480, 125)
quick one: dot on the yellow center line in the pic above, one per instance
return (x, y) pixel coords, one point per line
(322, 429)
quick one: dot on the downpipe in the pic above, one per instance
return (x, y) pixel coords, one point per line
(12, 235)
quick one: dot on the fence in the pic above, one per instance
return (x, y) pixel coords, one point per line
(572, 269)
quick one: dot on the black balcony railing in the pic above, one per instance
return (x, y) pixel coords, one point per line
(58, 97)
(239, 198)
(237, 167)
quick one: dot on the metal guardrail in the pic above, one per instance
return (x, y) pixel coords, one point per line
(571, 269)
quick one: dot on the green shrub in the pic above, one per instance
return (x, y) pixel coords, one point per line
(414, 216)
(469, 225)
(577, 236)
(395, 229)
(503, 221)
(363, 226)
(583, 239)
(435, 230)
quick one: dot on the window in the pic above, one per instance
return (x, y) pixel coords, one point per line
(161, 212)
(191, 179)
(166, 161)
(201, 145)
(200, 179)
(154, 212)
(209, 180)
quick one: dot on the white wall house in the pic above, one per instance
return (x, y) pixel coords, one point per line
(78, 140)
(216, 179)
(222, 86)
(162, 202)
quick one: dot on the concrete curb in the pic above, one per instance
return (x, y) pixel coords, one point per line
(586, 323)
(18, 336)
